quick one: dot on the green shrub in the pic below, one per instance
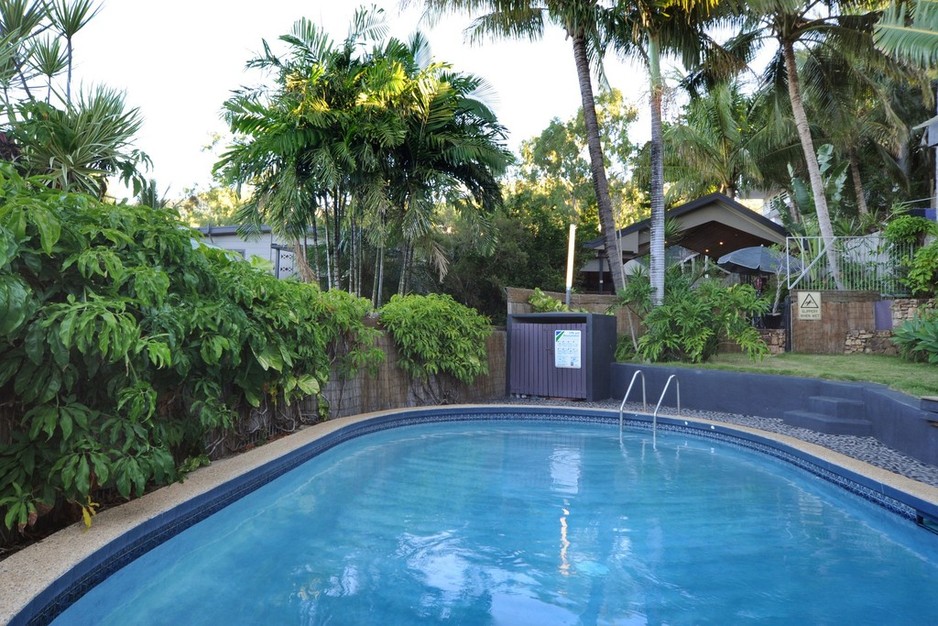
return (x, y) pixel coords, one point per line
(917, 339)
(438, 339)
(542, 303)
(124, 342)
(922, 276)
(909, 230)
(694, 317)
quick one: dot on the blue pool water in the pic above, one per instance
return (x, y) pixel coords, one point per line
(533, 523)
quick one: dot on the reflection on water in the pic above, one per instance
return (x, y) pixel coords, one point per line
(530, 524)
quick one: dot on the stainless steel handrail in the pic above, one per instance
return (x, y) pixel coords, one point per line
(654, 419)
(626, 397)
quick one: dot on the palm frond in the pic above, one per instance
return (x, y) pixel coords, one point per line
(909, 31)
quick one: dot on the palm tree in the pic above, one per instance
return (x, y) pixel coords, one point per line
(297, 143)
(368, 134)
(452, 139)
(851, 102)
(711, 144)
(647, 30)
(585, 24)
(808, 27)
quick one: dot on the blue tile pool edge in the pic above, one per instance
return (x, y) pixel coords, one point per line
(67, 589)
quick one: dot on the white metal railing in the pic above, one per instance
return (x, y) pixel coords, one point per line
(868, 263)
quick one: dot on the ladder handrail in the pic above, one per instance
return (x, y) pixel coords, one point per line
(654, 421)
(626, 396)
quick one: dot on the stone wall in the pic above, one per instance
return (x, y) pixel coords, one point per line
(865, 341)
(774, 338)
(870, 342)
(904, 309)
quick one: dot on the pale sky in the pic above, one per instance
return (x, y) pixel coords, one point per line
(179, 61)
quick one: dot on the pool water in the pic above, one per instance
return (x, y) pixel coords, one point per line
(532, 523)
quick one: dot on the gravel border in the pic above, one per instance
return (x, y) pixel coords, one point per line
(867, 449)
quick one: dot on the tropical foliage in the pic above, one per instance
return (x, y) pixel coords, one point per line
(124, 344)
(917, 339)
(356, 143)
(909, 30)
(440, 341)
(696, 315)
(77, 143)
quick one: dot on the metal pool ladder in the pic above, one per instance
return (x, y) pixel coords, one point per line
(638, 373)
(654, 419)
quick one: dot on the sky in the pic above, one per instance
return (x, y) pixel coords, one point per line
(178, 61)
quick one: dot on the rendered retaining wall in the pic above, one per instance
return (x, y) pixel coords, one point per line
(898, 420)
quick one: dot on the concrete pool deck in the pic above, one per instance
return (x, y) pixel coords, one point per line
(29, 572)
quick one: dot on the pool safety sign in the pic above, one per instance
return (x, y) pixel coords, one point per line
(567, 348)
(809, 305)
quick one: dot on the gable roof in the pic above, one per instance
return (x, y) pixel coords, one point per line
(712, 225)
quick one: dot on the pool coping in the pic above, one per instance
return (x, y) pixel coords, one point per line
(33, 577)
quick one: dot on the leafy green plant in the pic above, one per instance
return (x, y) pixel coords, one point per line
(542, 303)
(440, 341)
(917, 339)
(922, 276)
(694, 317)
(124, 342)
(909, 229)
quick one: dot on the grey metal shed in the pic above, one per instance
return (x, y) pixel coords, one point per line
(561, 355)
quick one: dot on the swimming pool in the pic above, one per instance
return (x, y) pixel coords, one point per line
(397, 526)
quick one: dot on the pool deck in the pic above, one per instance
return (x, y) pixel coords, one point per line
(25, 574)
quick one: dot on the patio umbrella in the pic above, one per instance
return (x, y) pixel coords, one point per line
(757, 260)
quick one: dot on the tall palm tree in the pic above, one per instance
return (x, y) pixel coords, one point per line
(851, 102)
(799, 27)
(585, 23)
(649, 30)
(369, 133)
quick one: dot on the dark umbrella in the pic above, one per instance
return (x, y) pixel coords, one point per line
(757, 260)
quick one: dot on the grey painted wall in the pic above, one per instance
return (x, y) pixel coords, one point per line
(897, 419)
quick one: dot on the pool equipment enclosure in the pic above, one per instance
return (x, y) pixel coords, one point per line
(561, 355)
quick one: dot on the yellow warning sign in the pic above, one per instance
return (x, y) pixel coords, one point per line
(809, 305)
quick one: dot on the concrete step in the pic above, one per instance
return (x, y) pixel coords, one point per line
(837, 407)
(830, 424)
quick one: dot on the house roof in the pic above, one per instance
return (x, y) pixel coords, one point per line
(712, 225)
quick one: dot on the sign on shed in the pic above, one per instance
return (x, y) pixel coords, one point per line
(567, 350)
(809, 305)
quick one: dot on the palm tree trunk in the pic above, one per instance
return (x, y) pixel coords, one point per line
(862, 208)
(656, 269)
(597, 165)
(300, 264)
(337, 240)
(316, 249)
(810, 157)
(325, 223)
(378, 290)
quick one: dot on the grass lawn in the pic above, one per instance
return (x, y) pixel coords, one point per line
(915, 379)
